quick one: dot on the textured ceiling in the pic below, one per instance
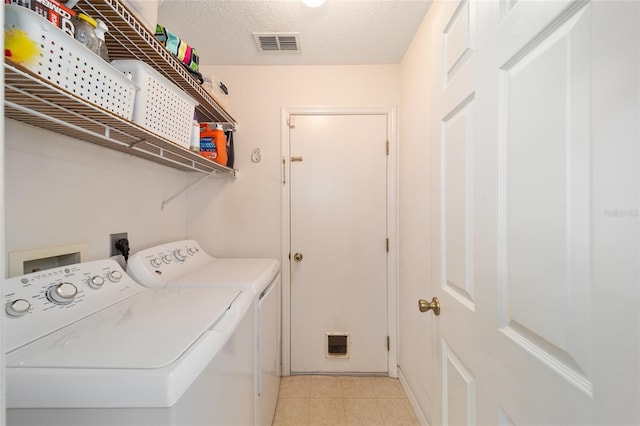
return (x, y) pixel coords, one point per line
(336, 33)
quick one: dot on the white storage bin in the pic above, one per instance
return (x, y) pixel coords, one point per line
(160, 105)
(70, 65)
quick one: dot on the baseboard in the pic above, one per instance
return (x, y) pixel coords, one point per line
(412, 399)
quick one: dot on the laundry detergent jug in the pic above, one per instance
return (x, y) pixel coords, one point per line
(207, 142)
(220, 139)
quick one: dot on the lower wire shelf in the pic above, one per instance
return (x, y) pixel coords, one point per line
(30, 99)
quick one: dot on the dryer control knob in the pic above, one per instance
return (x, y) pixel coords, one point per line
(180, 254)
(167, 258)
(192, 251)
(62, 294)
(114, 276)
(156, 262)
(17, 308)
(96, 281)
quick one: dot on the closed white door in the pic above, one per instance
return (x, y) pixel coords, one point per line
(535, 220)
(338, 176)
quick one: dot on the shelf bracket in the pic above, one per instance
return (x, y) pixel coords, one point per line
(132, 144)
(183, 190)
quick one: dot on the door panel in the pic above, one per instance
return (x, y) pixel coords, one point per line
(457, 202)
(544, 253)
(338, 223)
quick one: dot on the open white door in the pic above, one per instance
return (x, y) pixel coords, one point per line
(535, 220)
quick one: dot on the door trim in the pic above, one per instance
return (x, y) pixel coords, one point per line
(392, 226)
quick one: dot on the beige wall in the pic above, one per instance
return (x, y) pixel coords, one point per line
(414, 207)
(242, 216)
(60, 190)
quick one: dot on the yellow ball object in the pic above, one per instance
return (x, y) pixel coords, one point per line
(19, 47)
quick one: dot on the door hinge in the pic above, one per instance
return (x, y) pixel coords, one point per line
(284, 170)
(387, 245)
(388, 344)
(291, 122)
(387, 149)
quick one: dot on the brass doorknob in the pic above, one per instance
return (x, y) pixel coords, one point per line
(297, 257)
(424, 306)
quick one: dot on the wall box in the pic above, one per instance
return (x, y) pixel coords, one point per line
(32, 260)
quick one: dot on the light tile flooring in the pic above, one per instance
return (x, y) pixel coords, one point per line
(342, 400)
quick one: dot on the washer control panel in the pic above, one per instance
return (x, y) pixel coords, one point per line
(41, 302)
(157, 266)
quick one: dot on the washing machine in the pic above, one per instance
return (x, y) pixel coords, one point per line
(184, 264)
(87, 345)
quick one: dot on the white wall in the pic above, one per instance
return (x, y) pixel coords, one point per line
(60, 190)
(415, 214)
(242, 217)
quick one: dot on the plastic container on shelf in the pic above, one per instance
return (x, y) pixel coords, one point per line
(86, 32)
(195, 136)
(69, 65)
(101, 30)
(160, 106)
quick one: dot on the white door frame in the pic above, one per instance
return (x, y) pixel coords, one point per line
(392, 226)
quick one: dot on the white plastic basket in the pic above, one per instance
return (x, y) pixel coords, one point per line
(160, 105)
(70, 65)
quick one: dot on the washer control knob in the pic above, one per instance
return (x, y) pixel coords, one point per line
(167, 258)
(114, 276)
(156, 262)
(192, 251)
(62, 294)
(180, 254)
(96, 281)
(17, 308)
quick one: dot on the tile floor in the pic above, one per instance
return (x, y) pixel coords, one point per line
(342, 400)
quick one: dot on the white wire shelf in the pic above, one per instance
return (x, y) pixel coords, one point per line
(38, 102)
(128, 38)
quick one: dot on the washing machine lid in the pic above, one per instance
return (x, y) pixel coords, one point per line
(149, 330)
(255, 274)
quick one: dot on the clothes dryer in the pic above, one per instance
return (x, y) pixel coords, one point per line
(184, 264)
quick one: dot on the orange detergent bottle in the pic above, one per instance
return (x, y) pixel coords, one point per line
(207, 144)
(220, 140)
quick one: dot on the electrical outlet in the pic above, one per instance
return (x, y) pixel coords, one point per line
(113, 251)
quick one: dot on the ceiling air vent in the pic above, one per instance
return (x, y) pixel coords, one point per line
(277, 42)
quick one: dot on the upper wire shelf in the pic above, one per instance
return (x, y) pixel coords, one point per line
(33, 100)
(128, 38)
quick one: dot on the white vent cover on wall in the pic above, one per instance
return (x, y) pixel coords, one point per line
(277, 42)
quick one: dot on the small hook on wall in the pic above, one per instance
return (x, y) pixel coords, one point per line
(256, 155)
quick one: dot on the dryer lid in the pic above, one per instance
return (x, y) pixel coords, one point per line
(149, 330)
(255, 274)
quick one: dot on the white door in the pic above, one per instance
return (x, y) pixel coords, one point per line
(535, 218)
(338, 176)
